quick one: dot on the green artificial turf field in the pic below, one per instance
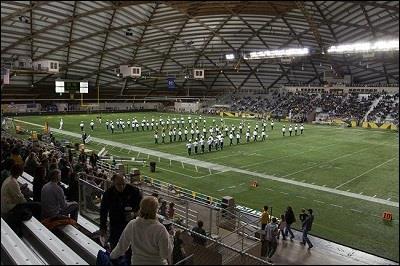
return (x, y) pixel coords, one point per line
(361, 161)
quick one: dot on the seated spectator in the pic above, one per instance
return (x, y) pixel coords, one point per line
(149, 240)
(163, 209)
(196, 238)
(16, 156)
(14, 206)
(6, 167)
(53, 200)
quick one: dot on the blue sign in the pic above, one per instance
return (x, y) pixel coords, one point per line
(171, 83)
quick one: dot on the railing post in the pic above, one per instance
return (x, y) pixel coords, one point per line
(211, 210)
(187, 213)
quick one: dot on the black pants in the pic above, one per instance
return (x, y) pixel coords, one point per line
(22, 212)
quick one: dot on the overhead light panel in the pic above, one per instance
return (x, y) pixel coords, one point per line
(230, 56)
(278, 53)
(365, 47)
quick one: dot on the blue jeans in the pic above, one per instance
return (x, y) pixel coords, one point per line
(305, 238)
(289, 230)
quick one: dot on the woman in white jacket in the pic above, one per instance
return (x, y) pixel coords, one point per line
(150, 241)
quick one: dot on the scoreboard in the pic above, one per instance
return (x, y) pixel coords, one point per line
(72, 86)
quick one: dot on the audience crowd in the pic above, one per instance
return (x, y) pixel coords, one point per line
(297, 106)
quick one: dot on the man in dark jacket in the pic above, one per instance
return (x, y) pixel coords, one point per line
(120, 202)
(306, 226)
(289, 218)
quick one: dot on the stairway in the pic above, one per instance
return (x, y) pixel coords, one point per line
(373, 105)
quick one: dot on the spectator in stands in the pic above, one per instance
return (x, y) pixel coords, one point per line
(14, 206)
(199, 229)
(65, 168)
(271, 234)
(16, 156)
(82, 157)
(306, 227)
(290, 218)
(53, 200)
(264, 217)
(73, 187)
(5, 171)
(281, 227)
(149, 240)
(39, 180)
(303, 215)
(163, 209)
(31, 163)
(171, 211)
(178, 253)
(93, 159)
(120, 202)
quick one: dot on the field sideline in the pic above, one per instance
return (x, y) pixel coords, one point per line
(355, 160)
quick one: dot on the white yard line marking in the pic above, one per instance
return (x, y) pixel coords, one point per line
(270, 189)
(355, 210)
(241, 184)
(319, 148)
(300, 197)
(219, 167)
(232, 187)
(361, 193)
(222, 189)
(366, 172)
(348, 189)
(312, 183)
(337, 158)
(374, 196)
(388, 198)
(175, 172)
(199, 177)
(336, 205)
(284, 193)
(319, 201)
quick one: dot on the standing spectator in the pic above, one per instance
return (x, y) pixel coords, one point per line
(65, 168)
(31, 163)
(199, 229)
(303, 215)
(264, 217)
(93, 159)
(271, 234)
(306, 226)
(14, 206)
(289, 218)
(53, 199)
(149, 240)
(282, 226)
(120, 202)
(39, 180)
(171, 211)
(178, 253)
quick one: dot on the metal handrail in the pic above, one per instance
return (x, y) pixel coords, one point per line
(184, 260)
(218, 242)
